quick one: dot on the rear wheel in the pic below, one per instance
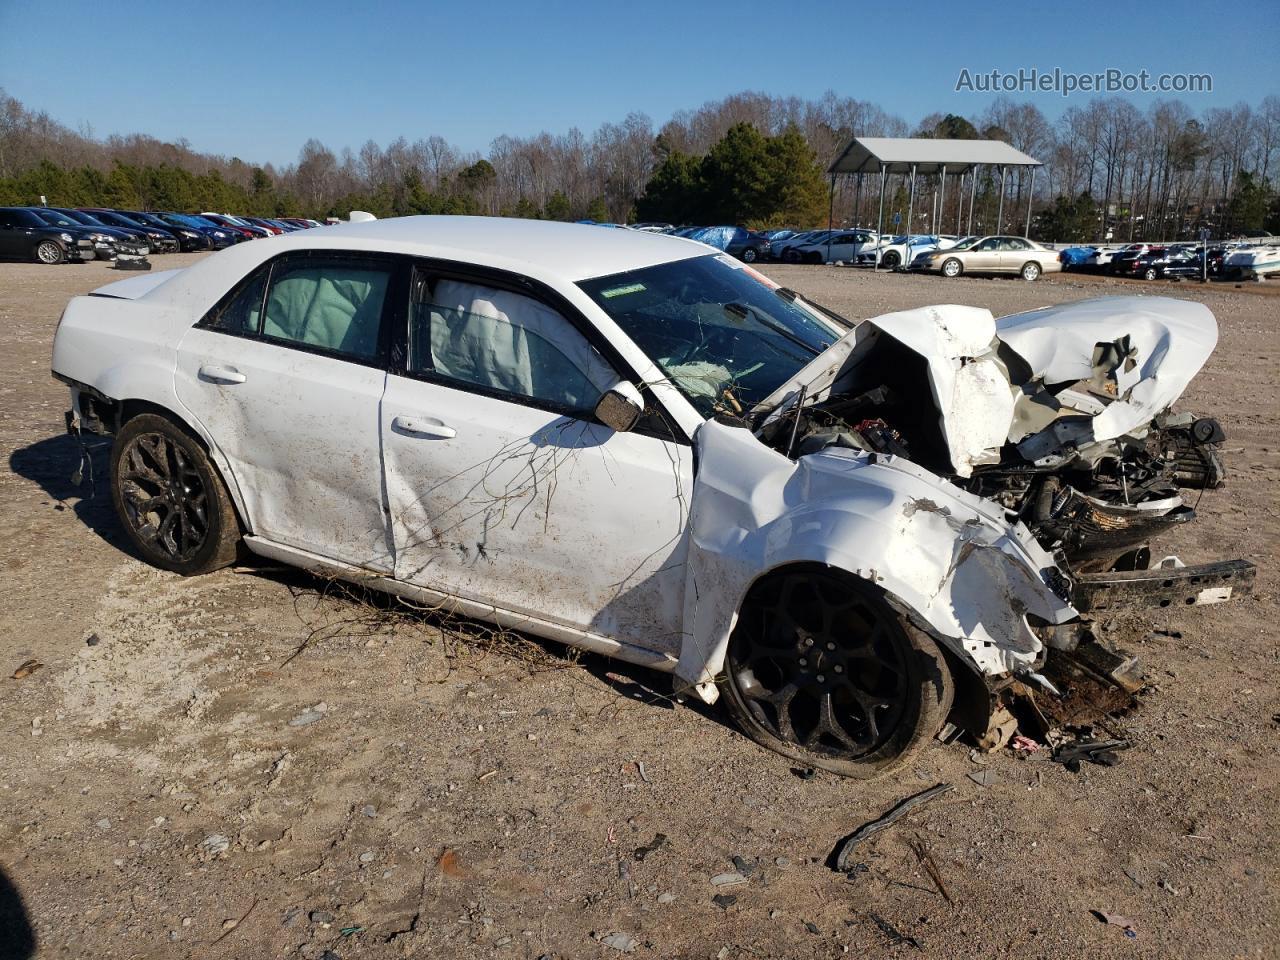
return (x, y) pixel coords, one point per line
(170, 499)
(1150, 274)
(821, 669)
(952, 267)
(749, 255)
(1030, 270)
(50, 251)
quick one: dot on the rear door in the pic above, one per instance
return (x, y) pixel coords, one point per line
(502, 486)
(287, 375)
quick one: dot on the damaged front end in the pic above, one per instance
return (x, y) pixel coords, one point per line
(1048, 436)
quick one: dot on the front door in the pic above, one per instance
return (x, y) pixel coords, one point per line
(503, 489)
(287, 376)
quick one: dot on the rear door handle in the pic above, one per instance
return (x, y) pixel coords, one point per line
(217, 374)
(424, 427)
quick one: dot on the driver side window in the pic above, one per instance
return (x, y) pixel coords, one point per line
(987, 245)
(503, 342)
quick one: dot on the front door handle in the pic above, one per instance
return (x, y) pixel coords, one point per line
(424, 427)
(217, 374)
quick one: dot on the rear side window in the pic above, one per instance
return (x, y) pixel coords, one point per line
(241, 314)
(331, 305)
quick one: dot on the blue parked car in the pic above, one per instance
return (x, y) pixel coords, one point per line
(219, 236)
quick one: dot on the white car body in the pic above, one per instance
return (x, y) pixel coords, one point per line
(896, 255)
(632, 544)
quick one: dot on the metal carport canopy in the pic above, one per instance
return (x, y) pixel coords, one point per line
(901, 154)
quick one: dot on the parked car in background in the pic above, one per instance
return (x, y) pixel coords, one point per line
(832, 246)
(893, 252)
(1076, 258)
(983, 255)
(134, 236)
(189, 238)
(1161, 262)
(107, 241)
(778, 248)
(747, 246)
(219, 237)
(246, 230)
(160, 241)
(272, 228)
(25, 236)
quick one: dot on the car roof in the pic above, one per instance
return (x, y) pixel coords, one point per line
(548, 251)
(570, 251)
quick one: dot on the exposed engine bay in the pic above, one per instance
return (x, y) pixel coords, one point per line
(1063, 417)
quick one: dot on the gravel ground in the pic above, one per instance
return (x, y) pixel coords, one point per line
(177, 786)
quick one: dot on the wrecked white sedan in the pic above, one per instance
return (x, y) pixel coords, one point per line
(853, 533)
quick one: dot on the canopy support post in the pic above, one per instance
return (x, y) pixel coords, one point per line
(880, 220)
(973, 195)
(1000, 206)
(857, 201)
(1030, 192)
(831, 214)
(911, 202)
(942, 202)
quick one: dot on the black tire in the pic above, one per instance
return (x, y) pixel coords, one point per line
(750, 255)
(171, 502)
(790, 682)
(1151, 273)
(791, 256)
(50, 252)
(1030, 271)
(890, 260)
(952, 267)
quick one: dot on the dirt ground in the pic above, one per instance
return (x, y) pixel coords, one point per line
(174, 785)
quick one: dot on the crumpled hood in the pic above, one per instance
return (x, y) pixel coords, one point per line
(1128, 358)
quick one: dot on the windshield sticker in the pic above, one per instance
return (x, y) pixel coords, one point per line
(622, 291)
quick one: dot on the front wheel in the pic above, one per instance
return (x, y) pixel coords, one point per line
(952, 267)
(1150, 274)
(50, 251)
(821, 669)
(173, 505)
(890, 260)
(1030, 270)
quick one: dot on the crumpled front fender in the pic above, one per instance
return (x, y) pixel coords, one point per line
(949, 557)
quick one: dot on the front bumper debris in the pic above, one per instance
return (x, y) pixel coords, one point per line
(1164, 586)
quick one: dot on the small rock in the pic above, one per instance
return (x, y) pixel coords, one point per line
(367, 856)
(775, 913)
(724, 900)
(742, 866)
(622, 942)
(811, 927)
(92, 640)
(984, 778)
(321, 916)
(369, 810)
(103, 824)
(727, 879)
(666, 898)
(230, 923)
(216, 843)
(187, 921)
(782, 861)
(306, 717)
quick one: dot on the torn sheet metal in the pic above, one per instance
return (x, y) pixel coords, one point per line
(950, 557)
(1078, 374)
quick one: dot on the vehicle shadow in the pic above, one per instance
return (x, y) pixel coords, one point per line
(651, 688)
(17, 938)
(51, 463)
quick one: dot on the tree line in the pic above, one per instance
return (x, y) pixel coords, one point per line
(750, 158)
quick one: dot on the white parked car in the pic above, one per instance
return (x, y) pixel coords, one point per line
(640, 446)
(837, 246)
(893, 252)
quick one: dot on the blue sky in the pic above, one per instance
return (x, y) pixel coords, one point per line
(257, 79)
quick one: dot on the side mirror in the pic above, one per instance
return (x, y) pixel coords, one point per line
(620, 407)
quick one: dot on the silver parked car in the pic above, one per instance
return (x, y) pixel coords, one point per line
(1017, 255)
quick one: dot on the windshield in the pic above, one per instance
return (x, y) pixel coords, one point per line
(86, 218)
(57, 219)
(966, 243)
(120, 218)
(717, 329)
